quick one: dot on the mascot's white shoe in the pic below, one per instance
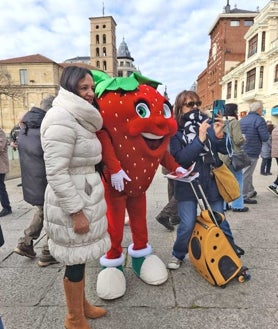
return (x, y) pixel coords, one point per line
(148, 267)
(111, 283)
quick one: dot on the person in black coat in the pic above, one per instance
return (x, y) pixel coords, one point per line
(33, 177)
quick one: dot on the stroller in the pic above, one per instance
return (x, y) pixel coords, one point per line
(209, 249)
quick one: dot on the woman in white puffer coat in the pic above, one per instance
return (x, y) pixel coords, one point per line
(74, 208)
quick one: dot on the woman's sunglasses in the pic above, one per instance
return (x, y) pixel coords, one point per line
(191, 104)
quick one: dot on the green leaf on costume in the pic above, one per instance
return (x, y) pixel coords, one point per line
(105, 83)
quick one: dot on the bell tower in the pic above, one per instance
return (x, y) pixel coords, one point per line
(103, 52)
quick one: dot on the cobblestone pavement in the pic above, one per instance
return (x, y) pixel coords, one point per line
(32, 297)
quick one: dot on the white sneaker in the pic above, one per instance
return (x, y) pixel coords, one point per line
(174, 263)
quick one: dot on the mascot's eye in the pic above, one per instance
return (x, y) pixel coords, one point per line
(142, 110)
(167, 111)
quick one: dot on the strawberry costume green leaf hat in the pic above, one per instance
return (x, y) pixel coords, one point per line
(105, 83)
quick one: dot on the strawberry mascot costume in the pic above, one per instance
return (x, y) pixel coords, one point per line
(137, 126)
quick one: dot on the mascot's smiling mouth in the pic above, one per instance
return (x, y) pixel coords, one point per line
(153, 141)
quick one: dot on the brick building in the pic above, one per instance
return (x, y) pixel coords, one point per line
(227, 50)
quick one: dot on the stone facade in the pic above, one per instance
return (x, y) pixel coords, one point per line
(257, 77)
(29, 79)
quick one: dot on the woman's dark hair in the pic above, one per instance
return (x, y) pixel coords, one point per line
(231, 110)
(71, 76)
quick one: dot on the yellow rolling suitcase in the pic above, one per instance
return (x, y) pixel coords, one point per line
(210, 250)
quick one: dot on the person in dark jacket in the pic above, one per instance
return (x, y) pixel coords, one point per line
(254, 128)
(274, 154)
(266, 152)
(168, 216)
(33, 179)
(4, 169)
(196, 141)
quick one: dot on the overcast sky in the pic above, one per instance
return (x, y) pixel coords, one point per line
(168, 39)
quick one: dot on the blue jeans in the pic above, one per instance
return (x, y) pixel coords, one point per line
(238, 203)
(187, 211)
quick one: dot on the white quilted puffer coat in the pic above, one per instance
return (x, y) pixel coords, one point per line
(71, 151)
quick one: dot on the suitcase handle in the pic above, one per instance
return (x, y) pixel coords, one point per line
(203, 203)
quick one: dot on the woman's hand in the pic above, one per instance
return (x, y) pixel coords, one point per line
(203, 130)
(80, 223)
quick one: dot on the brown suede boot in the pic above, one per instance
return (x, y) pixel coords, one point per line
(91, 311)
(74, 292)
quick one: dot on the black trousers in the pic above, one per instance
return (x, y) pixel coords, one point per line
(75, 273)
(4, 198)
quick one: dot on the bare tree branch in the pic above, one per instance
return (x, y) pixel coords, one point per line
(7, 87)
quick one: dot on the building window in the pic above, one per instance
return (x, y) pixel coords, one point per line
(248, 23)
(276, 73)
(120, 73)
(229, 90)
(251, 79)
(23, 77)
(104, 66)
(97, 39)
(121, 63)
(252, 46)
(104, 38)
(235, 23)
(97, 52)
(261, 80)
(98, 64)
(263, 41)
(235, 90)
(104, 51)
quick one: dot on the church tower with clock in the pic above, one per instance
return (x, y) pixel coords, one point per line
(227, 50)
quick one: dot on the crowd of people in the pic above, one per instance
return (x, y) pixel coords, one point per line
(60, 150)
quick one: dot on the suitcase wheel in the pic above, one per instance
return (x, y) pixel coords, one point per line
(243, 275)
